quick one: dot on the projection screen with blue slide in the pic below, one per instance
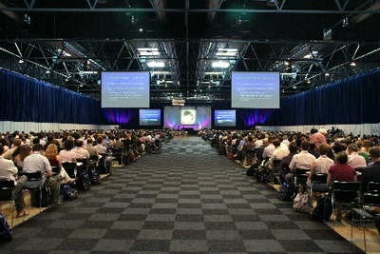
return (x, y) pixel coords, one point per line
(259, 90)
(125, 89)
(150, 117)
(225, 118)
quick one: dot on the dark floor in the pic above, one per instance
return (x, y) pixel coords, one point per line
(186, 200)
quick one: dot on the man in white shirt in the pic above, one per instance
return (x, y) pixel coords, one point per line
(354, 159)
(302, 160)
(269, 149)
(36, 162)
(280, 151)
(285, 141)
(80, 151)
(8, 171)
(100, 148)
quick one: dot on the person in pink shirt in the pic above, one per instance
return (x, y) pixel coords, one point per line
(317, 137)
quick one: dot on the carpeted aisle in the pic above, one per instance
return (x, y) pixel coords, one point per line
(186, 200)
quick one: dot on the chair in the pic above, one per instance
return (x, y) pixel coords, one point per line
(117, 154)
(82, 165)
(318, 183)
(104, 165)
(359, 172)
(365, 215)
(35, 183)
(55, 170)
(276, 170)
(6, 195)
(346, 194)
(71, 168)
(300, 178)
(373, 187)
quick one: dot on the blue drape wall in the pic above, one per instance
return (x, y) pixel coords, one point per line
(24, 99)
(355, 100)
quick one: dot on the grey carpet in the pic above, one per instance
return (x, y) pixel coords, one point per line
(187, 199)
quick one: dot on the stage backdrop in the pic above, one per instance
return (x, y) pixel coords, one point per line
(197, 117)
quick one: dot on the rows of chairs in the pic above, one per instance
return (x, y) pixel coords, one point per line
(85, 172)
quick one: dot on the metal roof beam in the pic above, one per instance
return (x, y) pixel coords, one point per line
(184, 10)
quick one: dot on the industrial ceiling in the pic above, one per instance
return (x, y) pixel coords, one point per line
(189, 47)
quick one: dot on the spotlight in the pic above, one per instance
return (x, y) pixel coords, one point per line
(327, 74)
(21, 61)
(141, 29)
(345, 22)
(353, 64)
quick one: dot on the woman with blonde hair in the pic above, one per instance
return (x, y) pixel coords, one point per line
(51, 153)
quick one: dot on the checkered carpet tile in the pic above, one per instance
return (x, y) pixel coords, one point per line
(188, 200)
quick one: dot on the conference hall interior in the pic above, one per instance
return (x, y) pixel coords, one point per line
(178, 126)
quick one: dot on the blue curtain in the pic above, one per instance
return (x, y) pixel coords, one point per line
(355, 100)
(25, 99)
(121, 116)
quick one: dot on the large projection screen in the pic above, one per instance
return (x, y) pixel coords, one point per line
(150, 117)
(125, 90)
(225, 118)
(255, 90)
(197, 117)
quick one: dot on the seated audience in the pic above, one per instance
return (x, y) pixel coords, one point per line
(100, 148)
(320, 166)
(293, 149)
(301, 161)
(36, 162)
(354, 159)
(317, 137)
(93, 153)
(80, 151)
(20, 154)
(341, 171)
(372, 172)
(51, 154)
(67, 154)
(8, 171)
(9, 154)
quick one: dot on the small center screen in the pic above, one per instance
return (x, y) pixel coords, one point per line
(150, 117)
(225, 118)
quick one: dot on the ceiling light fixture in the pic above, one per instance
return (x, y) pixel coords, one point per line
(220, 64)
(155, 64)
(313, 54)
(149, 53)
(227, 52)
(353, 64)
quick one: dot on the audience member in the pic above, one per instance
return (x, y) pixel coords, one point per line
(8, 171)
(36, 162)
(341, 171)
(51, 154)
(317, 137)
(372, 172)
(80, 151)
(67, 154)
(354, 159)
